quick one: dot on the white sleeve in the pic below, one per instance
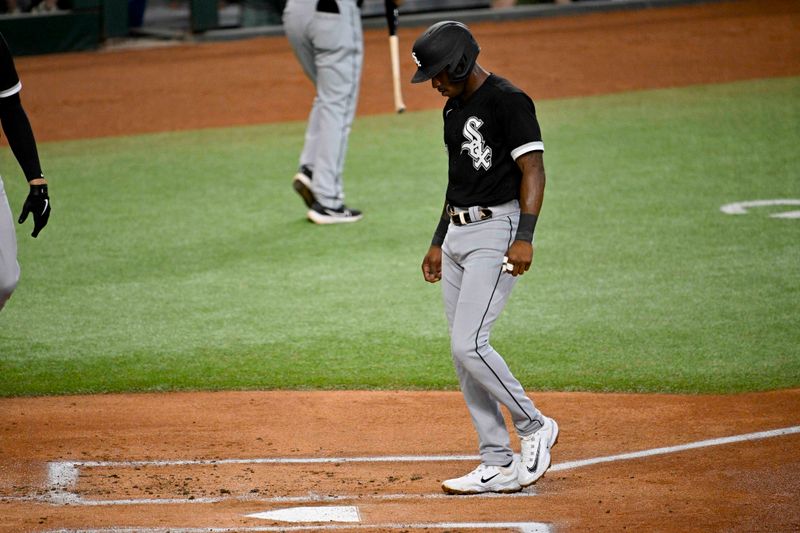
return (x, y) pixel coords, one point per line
(12, 91)
(537, 146)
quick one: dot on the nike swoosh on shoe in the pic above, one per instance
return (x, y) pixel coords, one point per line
(489, 478)
(532, 469)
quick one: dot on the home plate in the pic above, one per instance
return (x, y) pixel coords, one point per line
(311, 514)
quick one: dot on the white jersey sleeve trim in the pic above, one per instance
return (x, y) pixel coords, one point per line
(537, 146)
(14, 90)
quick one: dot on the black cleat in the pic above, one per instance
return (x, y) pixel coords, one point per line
(326, 215)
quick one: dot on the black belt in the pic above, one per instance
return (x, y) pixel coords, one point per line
(462, 218)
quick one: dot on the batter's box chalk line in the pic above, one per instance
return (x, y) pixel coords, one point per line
(63, 475)
(522, 527)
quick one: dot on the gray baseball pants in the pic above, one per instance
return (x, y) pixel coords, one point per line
(475, 291)
(330, 48)
(9, 268)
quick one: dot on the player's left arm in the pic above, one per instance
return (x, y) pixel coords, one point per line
(20, 137)
(520, 253)
(19, 133)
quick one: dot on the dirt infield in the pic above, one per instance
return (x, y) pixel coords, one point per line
(132, 451)
(258, 80)
(204, 461)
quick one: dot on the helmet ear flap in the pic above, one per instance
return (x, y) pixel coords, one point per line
(459, 72)
(462, 69)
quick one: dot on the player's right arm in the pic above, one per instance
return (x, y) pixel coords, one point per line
(432, 262)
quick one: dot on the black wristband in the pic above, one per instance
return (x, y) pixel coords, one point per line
(441, 231)
(39, 190)
(527, 223)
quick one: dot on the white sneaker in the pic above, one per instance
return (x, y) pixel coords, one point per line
(485, 479)
(535, 456)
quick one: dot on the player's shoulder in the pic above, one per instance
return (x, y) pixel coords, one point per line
(9, 80)
(504, 95)
(501, 85)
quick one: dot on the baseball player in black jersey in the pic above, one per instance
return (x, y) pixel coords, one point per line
(481, 246)
(20, 138)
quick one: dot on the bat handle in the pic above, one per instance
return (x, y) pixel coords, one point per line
(394, 49)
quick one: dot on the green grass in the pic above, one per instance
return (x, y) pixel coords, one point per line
(183, 260)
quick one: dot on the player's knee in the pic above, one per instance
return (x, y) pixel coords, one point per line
(466, 350)
(8, 282)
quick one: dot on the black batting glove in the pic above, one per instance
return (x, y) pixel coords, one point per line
(38, 203)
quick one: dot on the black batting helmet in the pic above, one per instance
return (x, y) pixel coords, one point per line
(445, 45)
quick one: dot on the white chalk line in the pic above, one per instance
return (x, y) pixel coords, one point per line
(522, 527)
(283, 460)
(73, 499)
(679, 448)
(63, 475)
(741, 208)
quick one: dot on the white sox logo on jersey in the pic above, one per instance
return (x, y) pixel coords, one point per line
(481, 155)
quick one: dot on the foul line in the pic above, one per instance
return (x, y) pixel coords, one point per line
(680, 448)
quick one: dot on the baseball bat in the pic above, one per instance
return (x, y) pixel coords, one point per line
(394, 52)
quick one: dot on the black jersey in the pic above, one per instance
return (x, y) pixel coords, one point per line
(9, 80)
(484, 136)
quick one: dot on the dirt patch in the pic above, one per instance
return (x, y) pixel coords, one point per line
(258, 80)
(197, 460)
(208, 460)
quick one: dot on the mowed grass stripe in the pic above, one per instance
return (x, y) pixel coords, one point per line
(184, 261)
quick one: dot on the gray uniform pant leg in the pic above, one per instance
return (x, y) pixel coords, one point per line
(475, 291)
(330, 48)
(9, 268)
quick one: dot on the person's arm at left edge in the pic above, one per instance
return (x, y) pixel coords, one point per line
(19, 133)
(531, 195)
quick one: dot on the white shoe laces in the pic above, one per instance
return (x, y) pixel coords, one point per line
(481, 468)
(530, 443)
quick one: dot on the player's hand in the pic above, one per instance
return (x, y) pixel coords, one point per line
(38, 204)
(432, 264)
(520, 256)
